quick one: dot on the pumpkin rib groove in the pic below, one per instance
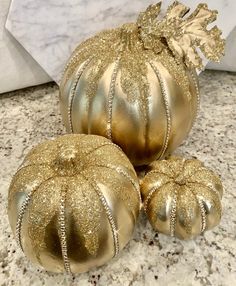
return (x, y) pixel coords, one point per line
(62, 233)
(207, 187)
(147, 117)
(30, 165)
(173, 214)
(125, 174)
(103, 145)
(20, 216)
(111, 95)
(109, 215)
(197, 95)
(202, 210)
(73, 89)
(151, 194)
(23, 209)
(97, 148)
(167, 109)
(160, 173)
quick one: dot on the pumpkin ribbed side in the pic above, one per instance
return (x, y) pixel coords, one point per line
(138, 99)
(181, 197)
(68, 200)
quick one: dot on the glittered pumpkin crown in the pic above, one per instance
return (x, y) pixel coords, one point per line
(183, 35)
(137, 74)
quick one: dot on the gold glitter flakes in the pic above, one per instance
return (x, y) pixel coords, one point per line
(181, 197)
(60, 203)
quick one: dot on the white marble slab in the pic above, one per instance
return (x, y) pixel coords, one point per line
(228, 62)
(17, 68)
(50, 29)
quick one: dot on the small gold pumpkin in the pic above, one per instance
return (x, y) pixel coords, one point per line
(136, 84)
(181, 197)
(73, 203)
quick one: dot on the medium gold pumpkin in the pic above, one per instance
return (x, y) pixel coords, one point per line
(73, 203)
(181, 197)
(136, 84)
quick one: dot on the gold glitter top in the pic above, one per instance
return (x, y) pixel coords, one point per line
(67, 189)
(182, 35)
(173, 35)
(172, 41)
(181, 197)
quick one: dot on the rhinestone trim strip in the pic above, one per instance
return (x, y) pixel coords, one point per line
(62, 234)
(173, 215)
(20, 217)
(197, 93)
(111, 97)
(202, 211)
(110, 218)
(167, 109)
(203, 214)
(150, 194)
(127, 176)
(73, 89)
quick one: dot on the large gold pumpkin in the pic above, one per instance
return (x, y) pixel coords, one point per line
(181, 197)
(73, 203)
(119, 86)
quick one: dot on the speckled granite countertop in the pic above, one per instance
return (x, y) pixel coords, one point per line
(27, 117)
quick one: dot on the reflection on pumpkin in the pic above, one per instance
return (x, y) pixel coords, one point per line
(74, 202)
(181, 197)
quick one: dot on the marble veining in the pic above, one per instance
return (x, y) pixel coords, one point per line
(30, 116)
(50, 29)
(17, 68)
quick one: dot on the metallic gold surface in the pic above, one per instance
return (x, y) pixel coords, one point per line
(181, 197)
(74, 202)
(136, 84)
(184, 34)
